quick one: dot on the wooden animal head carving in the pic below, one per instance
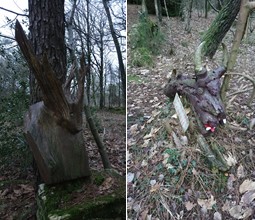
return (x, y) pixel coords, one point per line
(203, 92)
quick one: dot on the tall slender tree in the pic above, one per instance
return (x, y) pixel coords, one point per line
(118, 49)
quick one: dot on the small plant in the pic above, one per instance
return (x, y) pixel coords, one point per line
(146, 40)
(141, 57)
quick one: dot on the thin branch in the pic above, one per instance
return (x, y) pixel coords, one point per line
(253, 84)
(213, 6)
(5, 9)
(8, 37)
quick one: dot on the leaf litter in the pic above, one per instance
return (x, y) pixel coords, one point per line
(186, 185)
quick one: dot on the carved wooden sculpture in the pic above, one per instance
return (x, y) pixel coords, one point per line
(53, 127)
(203, 92)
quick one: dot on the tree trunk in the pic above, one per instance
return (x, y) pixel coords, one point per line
(220, 27)
(144, 8)
(99, 142)
(101, 74)
(89, 51)
(44, 19)
(206, 8)
(187, 11)
(158, 10)
(53, 126)
(119, 54)
(245, 9)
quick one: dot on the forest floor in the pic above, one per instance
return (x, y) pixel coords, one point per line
(169, 176)
(18, 181)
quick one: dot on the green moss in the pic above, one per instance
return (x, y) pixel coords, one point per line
(55, 202)
(110, 206)
(98, 179)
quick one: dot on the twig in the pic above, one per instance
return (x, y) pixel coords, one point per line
(5, 9)
(252, 81)
(213, 7)
(8, 37)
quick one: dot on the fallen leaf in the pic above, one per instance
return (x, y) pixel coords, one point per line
(27, 188)
(247, 185)
(189, 205)
(231, 179)
(144, 163)
(252, 123)
(240, 172)
(226, 206)
(144, 214)
(207, 203)
(155, 188)
(136, 207)
(230, 159)
(133, 129)
(146, 143)
(130, 177)
(153, 182)
(217, 216)
(240, 212)
(17, 191)
(248, 197)
(107, 184)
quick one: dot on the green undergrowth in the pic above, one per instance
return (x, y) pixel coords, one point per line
(100, 197)
(146, 39)
(117, 110)
(12, 142)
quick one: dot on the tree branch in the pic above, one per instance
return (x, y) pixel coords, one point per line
(213, 6)
(5, 9)
(8, 37)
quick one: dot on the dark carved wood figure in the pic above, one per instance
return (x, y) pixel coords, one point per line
(203, 92)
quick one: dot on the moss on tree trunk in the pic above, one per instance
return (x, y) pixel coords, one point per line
(220, 27)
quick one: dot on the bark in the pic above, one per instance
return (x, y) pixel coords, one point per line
(119, 54)
(245, 9)
(101, 74)
(88, 44)
(206, 8)
(220, 27)
(45, 17)
(187, 11)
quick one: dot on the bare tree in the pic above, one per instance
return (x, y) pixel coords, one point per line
(118, 49)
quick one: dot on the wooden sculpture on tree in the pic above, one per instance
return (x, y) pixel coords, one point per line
(203, 92)
(53, 126)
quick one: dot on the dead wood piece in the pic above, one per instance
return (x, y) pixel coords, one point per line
(58, 159)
